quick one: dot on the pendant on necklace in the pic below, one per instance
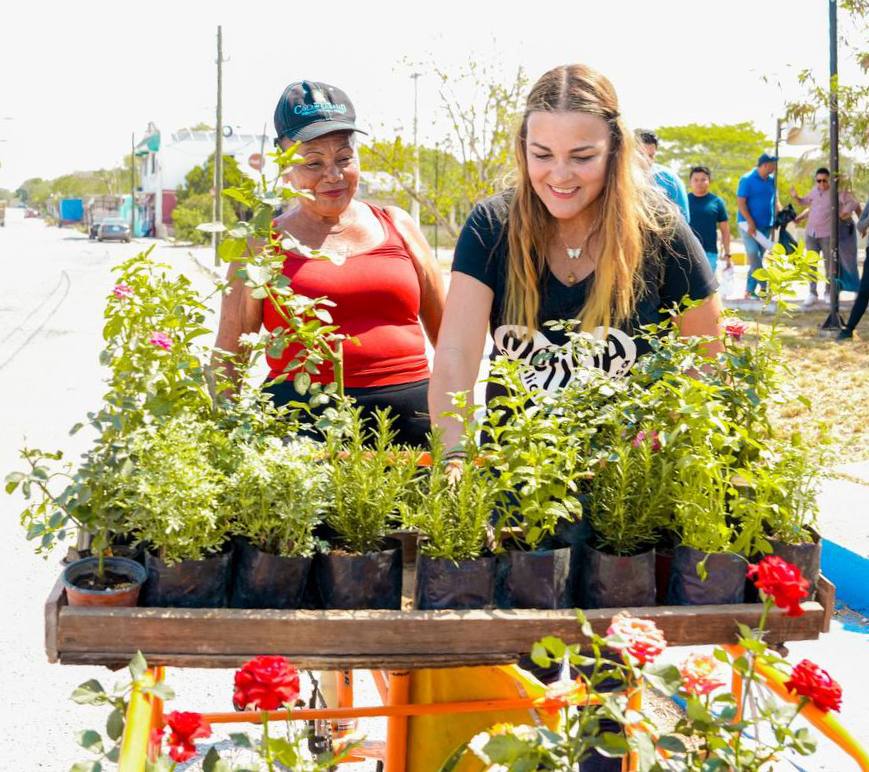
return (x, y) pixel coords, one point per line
(571, 279)
(573, 254)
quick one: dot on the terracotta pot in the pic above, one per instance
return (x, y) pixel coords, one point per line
(127, 595)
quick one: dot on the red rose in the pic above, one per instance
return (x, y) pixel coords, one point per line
(782, 581)
(640, 638)
(809, 680)
(184, 728)
(736, 330)
(266, 683)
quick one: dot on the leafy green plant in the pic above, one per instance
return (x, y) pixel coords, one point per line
(95, 496)
(259, 252)
(274, 496)
(370, 477)
(454, 514)
(532, 463)
(180, 478)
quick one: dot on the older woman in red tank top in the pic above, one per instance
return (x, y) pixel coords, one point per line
(388, 283)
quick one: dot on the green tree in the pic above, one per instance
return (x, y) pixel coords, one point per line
(728, 150)
(34, 192)
(195, 200)
(852, 98)
(475, 159)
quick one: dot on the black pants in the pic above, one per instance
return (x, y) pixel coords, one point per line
(862, 299)
(408, 404)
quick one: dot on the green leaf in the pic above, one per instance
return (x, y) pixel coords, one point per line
(161, 690)
(89, 693)
(539, 655)
(90, 740)
(612, 744)
(555, 646)
(213, 763)
(240, 740)
(665, 678)
(697, 712)
(138, 665)
(86, 766)
(115, 724)
(302, 382)
(671, 744)
(231, 249)
(283, 751)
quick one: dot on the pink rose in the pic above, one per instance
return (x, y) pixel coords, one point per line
(701, 674)
(640, 638)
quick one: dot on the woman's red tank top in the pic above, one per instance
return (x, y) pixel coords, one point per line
(377, 298)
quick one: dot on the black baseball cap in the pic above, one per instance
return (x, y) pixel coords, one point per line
(307, 110)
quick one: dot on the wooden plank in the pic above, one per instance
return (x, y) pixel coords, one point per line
(55, 599)
(826, 592)
(418, 635)
(116, 660)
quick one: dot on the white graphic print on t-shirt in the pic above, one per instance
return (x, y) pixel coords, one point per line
(553, 366)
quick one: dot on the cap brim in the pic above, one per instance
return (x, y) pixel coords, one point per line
(320, 129)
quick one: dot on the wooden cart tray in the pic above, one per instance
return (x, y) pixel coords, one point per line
(377, 639)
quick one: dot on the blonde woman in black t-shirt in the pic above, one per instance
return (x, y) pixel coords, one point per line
(583, 235)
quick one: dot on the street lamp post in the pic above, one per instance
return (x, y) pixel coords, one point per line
(133, 185)
(414, 205)
(833, 323)
(218, 147)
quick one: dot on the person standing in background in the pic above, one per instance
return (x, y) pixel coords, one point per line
(757, 204)
(708, 215)
(862, 299)
(666, 179)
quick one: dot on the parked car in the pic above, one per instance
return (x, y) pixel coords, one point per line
(114, 229)
(31, 212)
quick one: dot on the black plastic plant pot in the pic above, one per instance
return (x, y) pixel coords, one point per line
(262, 580)
(533, 579)
(350, 581)
(617, 581)
(188, 584)
(442, 583)
(574, 533)
(663, 565)
(806, 557)
(724, 583)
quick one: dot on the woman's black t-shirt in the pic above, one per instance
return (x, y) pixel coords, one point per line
(679, 268)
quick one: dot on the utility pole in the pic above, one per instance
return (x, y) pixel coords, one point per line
(833, 323)
(218, 147)
(133, 185)
(437, 187)
(778, 128)
(414, 204)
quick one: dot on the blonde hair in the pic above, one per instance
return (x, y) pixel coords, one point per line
(632, 212)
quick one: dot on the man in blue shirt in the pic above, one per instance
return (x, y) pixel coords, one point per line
(664, 178)
(708, 215)
(756, 201)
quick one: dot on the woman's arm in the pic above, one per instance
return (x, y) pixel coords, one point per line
(239, 314)
(704, 321)
(459, 350)
(431, 282)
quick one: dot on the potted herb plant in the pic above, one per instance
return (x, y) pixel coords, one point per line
(361, 566)
(453, 514)
(93, 499)
(538, 473)
(273, 503)
(780, 490)
(180, 479)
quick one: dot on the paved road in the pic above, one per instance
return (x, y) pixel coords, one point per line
(51, 301)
